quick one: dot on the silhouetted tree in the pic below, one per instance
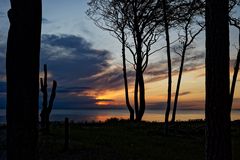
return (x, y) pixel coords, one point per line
(166, 28)
(46, 106)
(236, 23)
(173, 16)
(22, 68)
(218, 122)
(109, 15)
(142, 22)
(190, 25)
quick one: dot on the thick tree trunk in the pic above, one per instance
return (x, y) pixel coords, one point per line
(178, 85)
(139, 84)
(218, 137)
(130, 109)
(169, 67)
(22, 68)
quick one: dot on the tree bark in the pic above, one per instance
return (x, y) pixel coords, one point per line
(130, 109)
(166, 26)
(22, 68)
(217, 111)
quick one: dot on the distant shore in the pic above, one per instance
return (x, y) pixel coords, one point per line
(102, 114)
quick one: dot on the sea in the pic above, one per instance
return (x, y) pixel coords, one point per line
(102, 114)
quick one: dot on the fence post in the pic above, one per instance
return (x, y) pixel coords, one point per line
(66, 143)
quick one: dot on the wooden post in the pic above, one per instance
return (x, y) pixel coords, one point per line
(66, 143)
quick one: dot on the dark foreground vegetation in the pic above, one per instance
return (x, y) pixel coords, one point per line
(121, 139)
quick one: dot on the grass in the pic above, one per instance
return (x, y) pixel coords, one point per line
(124, 140)
(121, 139)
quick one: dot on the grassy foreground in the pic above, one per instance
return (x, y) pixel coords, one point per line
(124, 140)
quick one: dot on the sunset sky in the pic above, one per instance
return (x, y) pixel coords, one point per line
(86, 62)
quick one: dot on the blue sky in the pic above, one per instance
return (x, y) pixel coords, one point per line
(86, 61)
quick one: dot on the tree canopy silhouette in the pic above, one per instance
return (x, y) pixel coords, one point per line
(139, 23)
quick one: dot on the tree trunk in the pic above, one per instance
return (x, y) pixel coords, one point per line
(43, 114)
(169, 66)
(130, 109)
(50, 105)
(138, 75)
(235, 74)
(218, 123)
(136, 97)
(141, 96)
(178, 85)
(22, 68)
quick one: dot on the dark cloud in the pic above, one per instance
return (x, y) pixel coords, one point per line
(184, 93)
(45, 21)
(3, 87)
(186, 105)
(158, 71)
(111, 79)
(2, 101)
(78, 68)
(75, 89)
(71, 58)
(69, 101)
(2, 94)
(105, 100)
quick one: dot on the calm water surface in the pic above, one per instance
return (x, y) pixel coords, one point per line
(89, 115)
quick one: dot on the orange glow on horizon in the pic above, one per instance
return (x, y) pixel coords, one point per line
(103, 103)
(192, 92)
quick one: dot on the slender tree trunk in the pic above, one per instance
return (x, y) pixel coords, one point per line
(22, 68)
(218, 121)
(169, 67)
(235, 74)
(136, 97)
(130, 109)
(178, 85)
(142, 96)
